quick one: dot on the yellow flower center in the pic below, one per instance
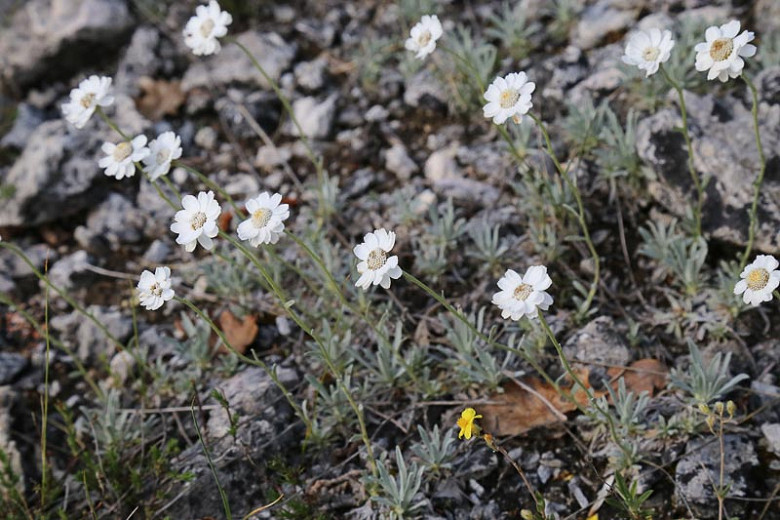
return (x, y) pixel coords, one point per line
(523, 291)
(206, 28)
(163, 155)
(721, 49)
(122, 151)
(757, 279)
(155, 289)
(198, 220)
(424, 38)
(261, 217)
(376, 259)
(87, 99)
(508, 98)
(651, 53)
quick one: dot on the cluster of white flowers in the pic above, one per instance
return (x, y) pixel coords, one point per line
(121, 158)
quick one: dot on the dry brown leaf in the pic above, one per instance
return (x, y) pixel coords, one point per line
(644, 375)
(535, 403)
(239, 333)
(159, 98)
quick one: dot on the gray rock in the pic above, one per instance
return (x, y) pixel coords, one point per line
(269, 157)
(6, 285)
(206, 138)
(27, 120)
(700, 467)
(724, 150)
(49, 38)
(566, 70)
(772, 435)
(317, 31)
(599, 20)
(376, 113)
(441, 164)
(766, 14)
(467, 190)
(231, 65)
(13, 266)
(86, 339)
(11, 365)
(157, 252)
(310, 75)
(156, 211)
(139, 60)
(116, 221)
(397, 161)
(423, 89)
(8, 401)
(71, 271)
(598, 342)
(315, 117)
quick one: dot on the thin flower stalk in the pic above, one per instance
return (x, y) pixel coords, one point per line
(759, 180)
(697, 182)
(580, 216)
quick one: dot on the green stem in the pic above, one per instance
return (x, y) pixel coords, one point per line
(222, 494)
(45, 411)
(580, 216)
(691, 168)
(759, 180)
(211, 184)
(111, 123)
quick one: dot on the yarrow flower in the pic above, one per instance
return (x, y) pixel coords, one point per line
(155, 289)
(522, 295)
(266, 219)
(91, 93)
(197, 222)
(509, 97)
(423, 36)
(375, 267)
(647, 50)
(723, 50)
(120, 158)
(758, 281)
(466, 423)
(203, 29)
(162, 151)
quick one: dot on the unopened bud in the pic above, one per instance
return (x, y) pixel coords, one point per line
(731, 408)
(719, 408)
(711, 422)
(703, 408)
(525, 514)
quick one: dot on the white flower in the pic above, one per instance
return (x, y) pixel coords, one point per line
(120, 158)
(375, 267)
(424, 35)
(522, 295)
(723, 51)
(163, 150)
(197, 222)
(203, 29)
(508, 97)
(758, 281)
(266, 219)
(90, 94)
(647, 50)
(155, 289)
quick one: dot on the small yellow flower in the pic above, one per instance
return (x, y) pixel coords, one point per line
(466, 423)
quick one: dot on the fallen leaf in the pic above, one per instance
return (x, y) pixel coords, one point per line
(224, 221)
(159, 98)
(239, 333)
(529, 404)
(644, 375)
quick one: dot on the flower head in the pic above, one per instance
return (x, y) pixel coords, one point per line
(266, 219)
(91, 93)
(163, 150)
(120, 158)
(647, 50)
(723, 50)
(155, 289)
(375, 267)
(522, 295)
(423, 36)
(466, 423)
(203, 29)
(508, 97)
(197, 222)
(758, 281)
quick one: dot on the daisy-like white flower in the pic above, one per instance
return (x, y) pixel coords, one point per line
(375, 267)
(723, 50)
(155, 289)
(197, 222)
(120, 158)
(163, 150)
(758, 281)
(522, 295)
(91, 93)
(203, 29)
(266, 219)
(423, 36)
(509, 97)
(647, 50)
